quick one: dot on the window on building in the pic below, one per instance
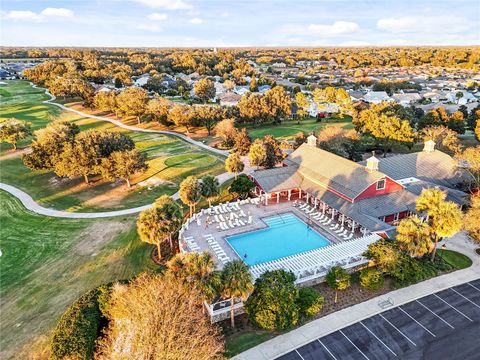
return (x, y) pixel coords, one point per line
(396, 217)
(381, 184)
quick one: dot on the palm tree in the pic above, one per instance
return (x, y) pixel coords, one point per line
(236, 283)
(190, 192)
(171, 216)
(149, 228)
(443, 217)
(414, 236)
(197, 270)
(157, 224)
(209, 188)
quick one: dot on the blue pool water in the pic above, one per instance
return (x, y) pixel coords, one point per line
(286, 235)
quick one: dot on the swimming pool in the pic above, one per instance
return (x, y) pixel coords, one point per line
(286, 235)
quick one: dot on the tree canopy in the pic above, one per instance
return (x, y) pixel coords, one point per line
(157, 317)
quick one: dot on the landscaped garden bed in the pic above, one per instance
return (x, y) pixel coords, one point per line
(246, 336)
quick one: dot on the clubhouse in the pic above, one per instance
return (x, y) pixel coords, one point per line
(372, 195)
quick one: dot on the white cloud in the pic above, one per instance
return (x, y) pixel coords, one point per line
(166, 4)
(150, 27)
(25, 15)
(157, 16)
(60, 12)
(337, 28)
(196, 21)
(22, 15)
(429, 24)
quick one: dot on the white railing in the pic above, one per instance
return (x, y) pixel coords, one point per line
(316, 263)
(222, 307)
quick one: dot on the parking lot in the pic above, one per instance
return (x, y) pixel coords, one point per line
(444, 325)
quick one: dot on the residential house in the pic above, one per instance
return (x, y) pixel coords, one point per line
(376, 97)
(229, 98)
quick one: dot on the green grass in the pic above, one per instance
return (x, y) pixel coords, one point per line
(48, 262)
(288, 129)
(236, 344)
(170, 159)
(457, 260)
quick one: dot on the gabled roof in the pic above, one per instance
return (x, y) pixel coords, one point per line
(435, 167)
(360, 211)
(333, 171)
(278, 179)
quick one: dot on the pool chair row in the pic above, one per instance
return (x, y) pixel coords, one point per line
(341, 231)
(217, 249)
(231, 216)
(192, 245)
(230, 224)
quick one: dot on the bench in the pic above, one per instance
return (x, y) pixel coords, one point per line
(385, 303)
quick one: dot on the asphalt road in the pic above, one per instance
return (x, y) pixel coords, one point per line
(440, 326)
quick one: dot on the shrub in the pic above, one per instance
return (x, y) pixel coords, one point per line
(371, 279)
(242, 186)
(410, 270)
(338, 279)
(272, 304)
(310, 302)
(78, 328)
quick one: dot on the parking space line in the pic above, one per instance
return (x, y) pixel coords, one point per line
(356, 347)
(328, 350)
(431, 333)
(406, 337)
(474, 287)
(438, 316)
(301, 357)
(376, 337)
(453, 307)
(465, 298)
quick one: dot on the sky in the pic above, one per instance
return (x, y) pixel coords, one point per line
(232, 23)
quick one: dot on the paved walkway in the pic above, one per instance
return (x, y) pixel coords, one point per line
(32, 205)
(132, 128)
(318, 328)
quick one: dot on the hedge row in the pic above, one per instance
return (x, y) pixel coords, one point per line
(78, 328)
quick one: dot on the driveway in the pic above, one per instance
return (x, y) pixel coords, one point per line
(443, 325)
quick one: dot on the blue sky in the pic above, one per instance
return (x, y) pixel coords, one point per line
(199, 23)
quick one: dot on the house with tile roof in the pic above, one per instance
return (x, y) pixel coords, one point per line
(374, 194)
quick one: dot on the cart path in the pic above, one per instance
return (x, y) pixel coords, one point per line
(130, 127)
(33, 206)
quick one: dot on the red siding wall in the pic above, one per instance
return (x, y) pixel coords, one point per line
(390, 186)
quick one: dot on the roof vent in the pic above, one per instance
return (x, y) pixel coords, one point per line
(429, 146)
(312, 140)
(372, 163)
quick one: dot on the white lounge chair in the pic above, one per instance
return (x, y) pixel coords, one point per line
(341, 230)
(249, 220)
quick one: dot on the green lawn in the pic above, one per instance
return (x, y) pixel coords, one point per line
(236, 344)
(170, 159)
(457, 260)
(288, 129)
(47, 262)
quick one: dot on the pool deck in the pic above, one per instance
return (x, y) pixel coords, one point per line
(257, 212)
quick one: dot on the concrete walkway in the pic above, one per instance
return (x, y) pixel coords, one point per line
(33, 206)
(129, 127)
(318, 328)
